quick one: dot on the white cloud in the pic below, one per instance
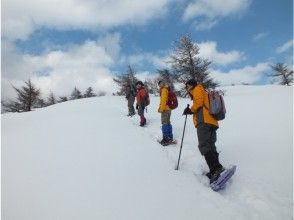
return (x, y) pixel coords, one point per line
(259, 36)
(208, 50)
(247, 74)
(20, 18)
(157, 60)
(286, 46)
(60, 71)
(212, 10)
(204, 25)
(146, 75)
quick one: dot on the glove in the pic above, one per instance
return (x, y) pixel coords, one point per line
(137, 107)
(187, 111)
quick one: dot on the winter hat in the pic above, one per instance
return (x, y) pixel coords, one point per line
(191, 82)
(160, 81)
(139, 82)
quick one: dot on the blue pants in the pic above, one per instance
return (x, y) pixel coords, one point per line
(167, 131)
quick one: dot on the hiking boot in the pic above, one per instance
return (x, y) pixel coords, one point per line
(215, 175)
(143, 123)
(166, 141)
(209, 175)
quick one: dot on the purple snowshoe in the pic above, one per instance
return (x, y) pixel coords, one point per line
(221, 181)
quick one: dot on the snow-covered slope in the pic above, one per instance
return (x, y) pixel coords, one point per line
(85, 159)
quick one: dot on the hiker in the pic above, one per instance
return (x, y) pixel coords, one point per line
(130, 96)
(142, 101)
(164, 109)
(206, 127)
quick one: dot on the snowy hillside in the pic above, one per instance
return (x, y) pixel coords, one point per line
(85, 159)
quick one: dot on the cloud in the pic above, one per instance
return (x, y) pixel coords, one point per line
(21, 18)
(204, 25)
(60, 71)
(259, 36)
(247, 74)
(286, 46)
(146, 75)
(208, 50)
(157, 60)
(208, 12)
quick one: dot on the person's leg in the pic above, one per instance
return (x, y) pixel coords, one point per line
(141, 114)
(207, 138)
(164, 127)
(169, 126)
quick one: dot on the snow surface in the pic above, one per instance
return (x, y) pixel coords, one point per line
(85, 159)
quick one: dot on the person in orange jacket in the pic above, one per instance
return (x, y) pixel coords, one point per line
(167, 134)
(206, 127)
(141, 99)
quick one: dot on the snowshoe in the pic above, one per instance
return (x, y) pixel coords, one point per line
(220, 182)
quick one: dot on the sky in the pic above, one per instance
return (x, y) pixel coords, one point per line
(80, 43)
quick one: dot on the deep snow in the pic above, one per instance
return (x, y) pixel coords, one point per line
(85, 159)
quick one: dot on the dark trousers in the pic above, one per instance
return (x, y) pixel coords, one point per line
(206, 138)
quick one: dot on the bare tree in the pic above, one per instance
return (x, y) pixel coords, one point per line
(126, 79)
(62, 99)
(284, 75)
(186, 64)
(11, 106)
(40, 103)
(51, 99)
(76, 94)
(89, 93)
(27, 97)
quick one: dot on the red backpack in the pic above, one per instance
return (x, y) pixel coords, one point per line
(172, 100)
(146, 98)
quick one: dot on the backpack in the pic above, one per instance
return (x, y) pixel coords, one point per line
(146, 99)
(172, 101)
(216, 105)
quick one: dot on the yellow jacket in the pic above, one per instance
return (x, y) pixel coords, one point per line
(163, 99)
(200, 106)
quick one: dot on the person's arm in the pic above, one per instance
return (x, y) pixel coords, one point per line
(198, 99)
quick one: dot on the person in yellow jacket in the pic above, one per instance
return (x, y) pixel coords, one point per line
(167, 134)
(206, 127)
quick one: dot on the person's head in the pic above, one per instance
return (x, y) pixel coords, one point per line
(161, 84)
(139, 84)
(191, 84)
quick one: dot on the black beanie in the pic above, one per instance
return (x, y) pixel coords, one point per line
(140, 82)
(191, 82)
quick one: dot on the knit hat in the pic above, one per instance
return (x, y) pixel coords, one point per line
(191, 82)
(139, 82)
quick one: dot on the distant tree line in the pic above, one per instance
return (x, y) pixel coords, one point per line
(29, 97)
(185, 63)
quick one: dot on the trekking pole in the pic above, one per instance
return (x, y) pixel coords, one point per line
(177, 167)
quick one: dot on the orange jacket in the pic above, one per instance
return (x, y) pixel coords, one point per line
(200, 106)
(163, 99)
(141, 93)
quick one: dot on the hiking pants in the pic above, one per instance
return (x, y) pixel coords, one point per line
(165, 117)
(206, 138)
(141, 109)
